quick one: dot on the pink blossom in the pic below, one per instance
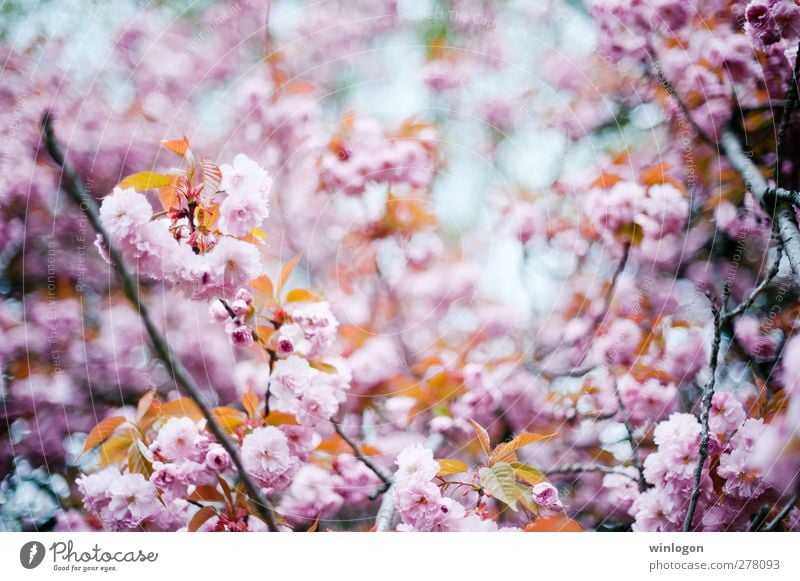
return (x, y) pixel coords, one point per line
(266, 456)
(415, 464)
(546, 496)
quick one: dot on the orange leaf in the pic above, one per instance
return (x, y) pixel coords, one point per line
(553, 524)
(250, 403)
(169, 195)
(300, 294)
(313, 528)
(286, 272)
(200, 518)
(144, 405)
(483, 436)
(177, 146)
(229, 418)
(507, 448)
(102, 431)
(183, 407)
(115, 449)
(263, 284)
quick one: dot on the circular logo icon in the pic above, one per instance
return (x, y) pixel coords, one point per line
(31, 554)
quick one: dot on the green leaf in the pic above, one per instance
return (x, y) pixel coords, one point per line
(499, 481)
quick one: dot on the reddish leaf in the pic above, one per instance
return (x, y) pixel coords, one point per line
(200, 518)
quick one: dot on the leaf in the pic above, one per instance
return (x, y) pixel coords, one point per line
(314, 526)
(139, 460)
(144, 405)
(206, 493)
(324, 367)
(499, 481)
(448, 466)
(483, 436)
(177, 146)
(529, 474)
(262, 287)
(146, 180)
(229, 418)
(300, 294)
(286, 272)
(520, 441)
(631, 232)
(170, 195)
(183, 407)
(250, 403)
(201, 517)
(553, 524)
(102, 431)
(115, 449)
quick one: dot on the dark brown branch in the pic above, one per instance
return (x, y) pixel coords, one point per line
(74, 187)
(385, 478)
(771, 274)
(784, 512)
(626, 421)
(705, 408)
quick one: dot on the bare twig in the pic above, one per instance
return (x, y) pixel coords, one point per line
(772, 273)
(582, 468)
(75, 189)
(705, 408)
(577, 370)
(379, 472)
(383, 522)
(626, 421)
(784, 512)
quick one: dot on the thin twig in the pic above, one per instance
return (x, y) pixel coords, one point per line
(705, 408)
(784, 512)
(74, 187)
(773, 271)
(577, 370)
(582, 468)
(626, 421)
(385, 478)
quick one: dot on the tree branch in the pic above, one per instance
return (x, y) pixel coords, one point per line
(755, 182)
(784, 512)
(631, 439)
(708, 394)
(772, 273)
(385, 478)
(582, 468)
(75, 189)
